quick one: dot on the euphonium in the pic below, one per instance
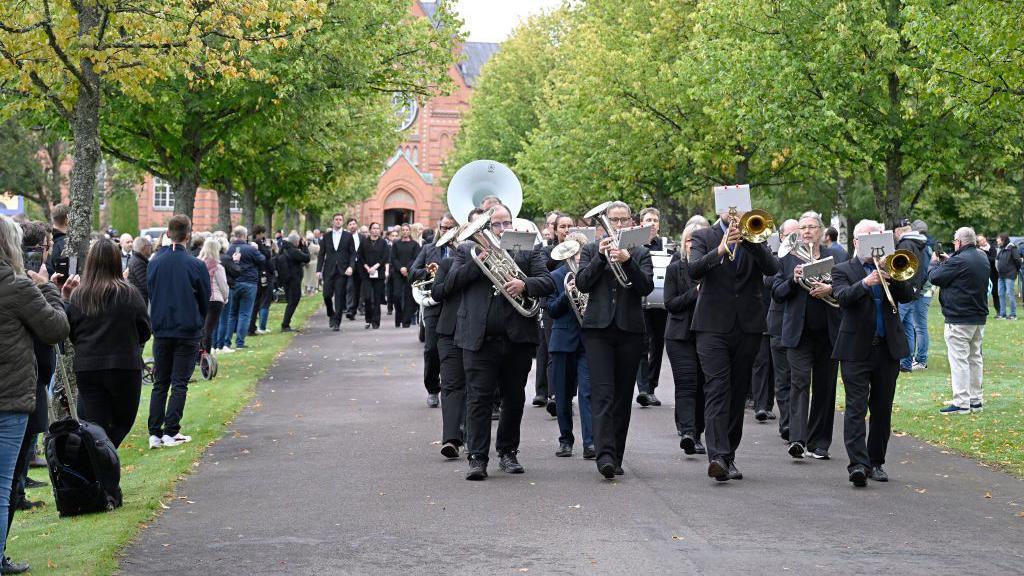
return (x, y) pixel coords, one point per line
(792, 245)
(578, 300)
(598, 216)
(499, 267)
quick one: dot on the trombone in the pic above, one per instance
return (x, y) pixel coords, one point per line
(756, 226)
(901, 266)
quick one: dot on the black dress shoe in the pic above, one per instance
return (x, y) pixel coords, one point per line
(564, 450)
(607, 469)
(687, 444)
(367, 327)
(796, 450)
(477, 470)
(718, 469)
(878, 475)
(643, 399)
(552, 408)
(350, 316)
(653, 399)
(699, 448)
(7, 566)
(432, 401)
(27, 504)
(450, 451)
(540, 400)
(859, 476)
(734, 473)
(286, 328)
(771, 415)
(619, 471)
(30, 483)
(510, 464)
(589, 453)
(376, 326)
(784, 433)
(761, 416)
(335, 328)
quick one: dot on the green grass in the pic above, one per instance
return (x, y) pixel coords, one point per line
(995, 436)
(87, 545)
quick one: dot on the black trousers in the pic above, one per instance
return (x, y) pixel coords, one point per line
(213, 313)
(994, 277)
(763, 378)
(355, 289)
(613, 357)
(405, 306)
(110, 398)
(431, 358)
(870, 385)
(780, 365)
(334, 296)
(654, 346)
(174, 361)
(453, 390)
(812, 381)
(689, 382)
(726, 360)
(542, 378)
(373, 296)
(293, 293)
(502, 366)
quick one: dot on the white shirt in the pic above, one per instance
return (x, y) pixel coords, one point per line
(336, 237)
(355, 240)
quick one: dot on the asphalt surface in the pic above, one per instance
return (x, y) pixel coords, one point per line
(334, 469)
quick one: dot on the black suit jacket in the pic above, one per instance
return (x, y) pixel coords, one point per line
(477, 292)
(857, 307)
(429, 254)
(609, 302)
(793, 298)
(330, 261)
(680, 298)
(731, 292)
(775, 309)
(448, 298)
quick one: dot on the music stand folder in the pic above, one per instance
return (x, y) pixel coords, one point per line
(818, 268)
(875, 245)
(732, 197)
(630, 238)
(589, 232)
(512, 240)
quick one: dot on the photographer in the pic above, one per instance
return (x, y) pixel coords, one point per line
(290, 262)
(138, 264)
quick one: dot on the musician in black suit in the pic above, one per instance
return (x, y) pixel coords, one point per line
(780, 363)
(649, 374)
(613, 330)
(373, 263)
(809, 326)
(334, 266)
(430, 256)
(729, 319)
(543, 379)
(869, 346)
(680, 342)
(497, 347)
(453, 379)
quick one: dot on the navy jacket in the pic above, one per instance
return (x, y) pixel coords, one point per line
(963, 280)
(251, 263)
(793, 299)
(179, 292)
(565, 328)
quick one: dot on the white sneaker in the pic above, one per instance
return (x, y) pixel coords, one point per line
(262, 332)
(918, 366)
(155, 442)
(181, 438)
(225, 350)
(168, 441)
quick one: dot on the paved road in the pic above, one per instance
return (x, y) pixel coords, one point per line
(334, 469)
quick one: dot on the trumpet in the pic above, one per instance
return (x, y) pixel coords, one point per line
(792, 245)
(421, 288)
(901, 266)
(499, 267)
(577, 300)
(598, 216)
(756, 226)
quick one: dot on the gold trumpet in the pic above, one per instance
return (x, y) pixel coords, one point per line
(901, 266)
(755, 226)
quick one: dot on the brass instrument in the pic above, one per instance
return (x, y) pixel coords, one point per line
(498, 266)
(598, 216)
(792, 245)
(901, 266)
(755, 226)
(421, 288)
(567, 251)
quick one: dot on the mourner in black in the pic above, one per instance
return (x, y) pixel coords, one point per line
(453, 380)
(334, 266)
(655, 318)
(729, 319)
(680, 298)
(809, 326)
(354, 290)
(869, 346)
(780, 363)
(373, 263)
(403, 254)
(497, 347)
(290, 264)
(613, 329)
(429, 258)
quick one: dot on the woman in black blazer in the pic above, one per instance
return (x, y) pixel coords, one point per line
(374, 255)
(680, 297)
(613, 330)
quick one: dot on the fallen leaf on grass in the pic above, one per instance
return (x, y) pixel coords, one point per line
(988, 494)
(165, 506)
(921, 491)
(678, 538)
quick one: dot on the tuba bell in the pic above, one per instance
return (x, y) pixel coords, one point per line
(600, 218)
(577, 300)
(499, 267)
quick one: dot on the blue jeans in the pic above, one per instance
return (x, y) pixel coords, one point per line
(563, 364)
(1007, 297)
(240, 303)
(914, 316)
(220, 335)
(12, 432)
(264, 314)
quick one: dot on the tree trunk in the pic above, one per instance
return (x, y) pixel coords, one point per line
(838, 220)
(268, 217)
(1020, 192)
(85, 126)
(187, 182)
(743, 170)
(313, 217)
(224, 194)
(249, 205)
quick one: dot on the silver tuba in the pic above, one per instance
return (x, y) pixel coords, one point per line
(498, 267)
(598, 216)
(577, 300)
(792, 245)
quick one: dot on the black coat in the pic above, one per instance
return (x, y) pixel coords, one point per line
(290, 262)
(231, 269)
(330, 261)
(794, 298)
(448, 297)
(478, 291)
(775, 309)
(403, 254)
(680, 298)
(373, 252)
(857, 311)
(429, 254)
(137, 266)
(1008, 261)
(731, 294)
(609, 302)
(963, 280)
(113, 339)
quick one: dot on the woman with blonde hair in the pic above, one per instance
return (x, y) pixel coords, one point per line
(210, 255)
(309, 280)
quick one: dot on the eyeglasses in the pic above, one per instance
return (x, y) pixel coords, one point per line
(809, 227)
(501, 225)
(443, 227)
(622, 220)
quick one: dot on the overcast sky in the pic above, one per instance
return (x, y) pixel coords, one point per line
(493, 20)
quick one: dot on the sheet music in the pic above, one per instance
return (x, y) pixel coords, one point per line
(589, 232)
(629, 238)
(876, 245)
(818, 268)
(512, 240)
(732, 196)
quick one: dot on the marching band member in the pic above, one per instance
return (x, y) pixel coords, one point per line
(680, 298)
(430, 256)
(613, 329)
(809, 327)
(497, 344)
(560, 224)
(870, 344)
(568, 362)
(780, 364)
(373, 262)
(655, 318)
(729, 318)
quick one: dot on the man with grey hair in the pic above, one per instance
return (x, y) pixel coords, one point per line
(963, 280)
(138, 265)
(290, 263)
(243, 294)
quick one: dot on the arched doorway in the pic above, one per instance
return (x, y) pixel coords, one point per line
(399, 208)
(397, 217)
